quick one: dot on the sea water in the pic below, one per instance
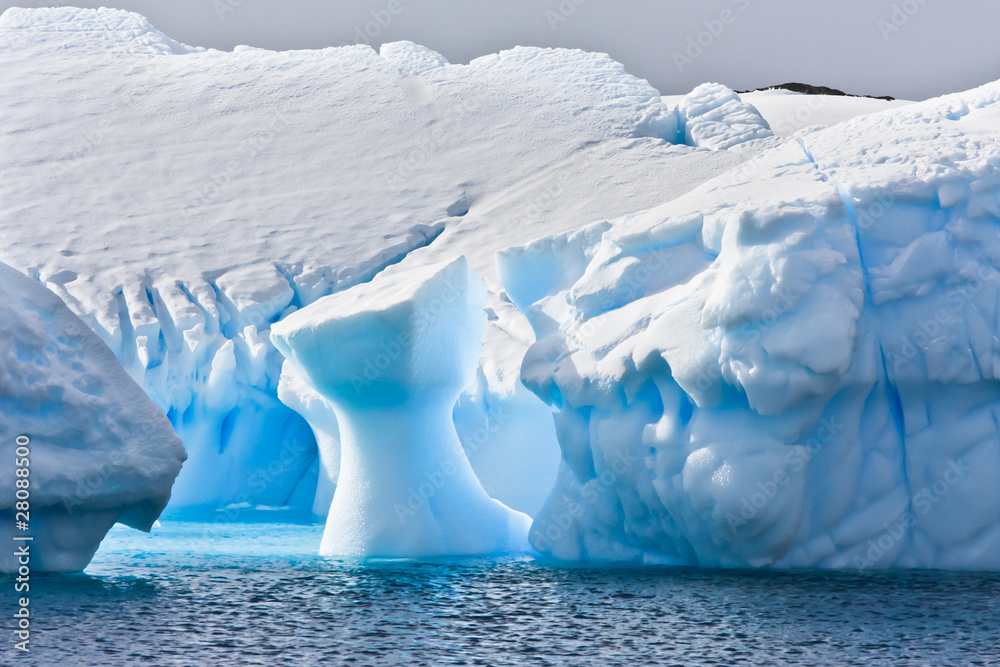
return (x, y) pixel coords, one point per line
(256, 594)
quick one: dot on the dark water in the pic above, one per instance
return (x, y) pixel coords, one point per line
(253, 595)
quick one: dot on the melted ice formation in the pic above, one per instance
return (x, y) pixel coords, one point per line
(99, 451)
(795, 365)
(392, 356)
(714, 117)
(297, 394)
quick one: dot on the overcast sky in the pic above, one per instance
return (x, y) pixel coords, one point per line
(910, 49)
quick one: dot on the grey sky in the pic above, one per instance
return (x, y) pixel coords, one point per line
(906, 48)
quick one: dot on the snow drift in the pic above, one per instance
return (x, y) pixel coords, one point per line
(99, 451)
(794, 365)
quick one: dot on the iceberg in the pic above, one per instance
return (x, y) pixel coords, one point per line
(797, 364)
(250, 195)
(392, 357)
(259, 182)
(97, 451)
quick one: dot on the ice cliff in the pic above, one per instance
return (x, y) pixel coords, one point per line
(795, 365)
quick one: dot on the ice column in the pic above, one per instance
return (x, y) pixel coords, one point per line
(392, 357)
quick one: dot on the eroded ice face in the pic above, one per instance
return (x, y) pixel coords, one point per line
(391, 357)
(396, 339)
(794, 365)
(95, 447)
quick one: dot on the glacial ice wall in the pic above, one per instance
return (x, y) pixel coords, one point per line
(182, 200)
(94, 448)
(795, 365)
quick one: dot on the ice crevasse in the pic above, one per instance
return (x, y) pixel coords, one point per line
(794, 365)
(92, 447)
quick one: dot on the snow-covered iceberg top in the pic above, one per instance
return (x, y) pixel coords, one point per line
(97, 450)
(794, 365)
(391, 357)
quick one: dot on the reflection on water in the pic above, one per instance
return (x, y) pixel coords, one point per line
(196, 594)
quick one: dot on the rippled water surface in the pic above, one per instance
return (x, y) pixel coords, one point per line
(254, 594)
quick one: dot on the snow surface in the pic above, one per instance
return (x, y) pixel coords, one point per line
(795, 365)
(99, 451)
(183, 200)
(392, 357)
(787, 112)
(906, 48)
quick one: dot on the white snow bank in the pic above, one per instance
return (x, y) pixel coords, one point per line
(392, 356)
(787, 112)
(114, 29)
(98, 451)
(181, 201)
(795, 365)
